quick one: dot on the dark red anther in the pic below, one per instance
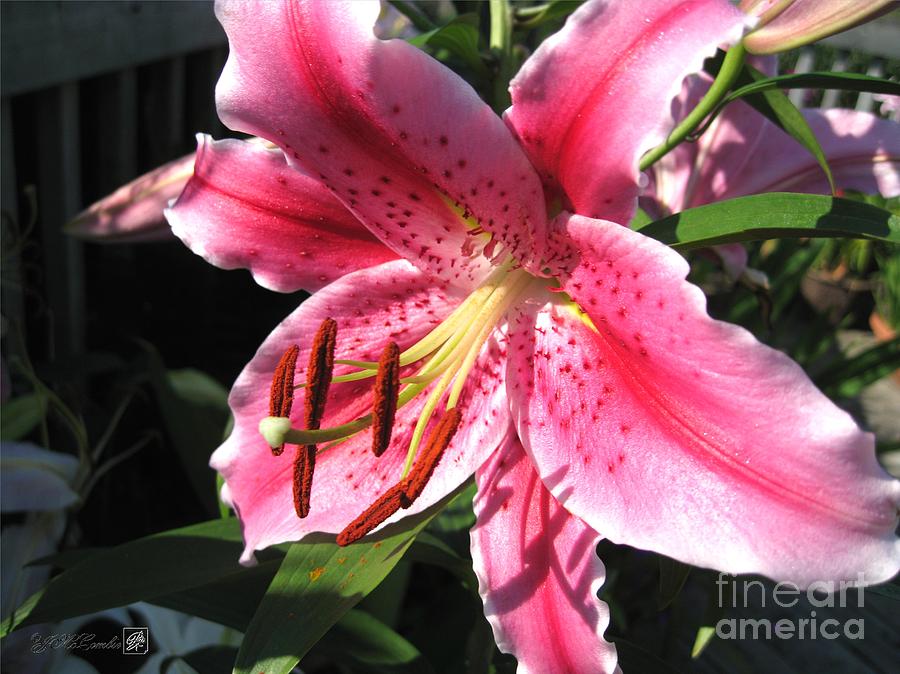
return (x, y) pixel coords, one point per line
(375, 514)
(318, 378)
(385, 392)
(281, 395)
(430, 456)
(304, 466)
(318, 374)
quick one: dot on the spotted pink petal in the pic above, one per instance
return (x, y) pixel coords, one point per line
(401, 140)
(538, 571)
(589, 103)
(393, 301)
(673, 432)
(246, 208)
(134, 212)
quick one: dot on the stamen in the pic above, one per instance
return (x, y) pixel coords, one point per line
(304, 466)
(281, 395)
(386, 391)
(321, 365)
(375, 514)
(318, 374)
(430, 456)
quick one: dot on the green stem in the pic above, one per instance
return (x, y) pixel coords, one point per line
(501, 48)
(419, 20)
(728, 74)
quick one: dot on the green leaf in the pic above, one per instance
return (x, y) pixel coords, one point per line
(846, 378)
(21, 415)
(199, 389)
(818, 80)
(641, 218)
(413, 13)
(672, 576)
(317, 583)
(365, 643)
(778, 108)
(429, 549)
(149, 567)
(704, 636)
(194, 408)
(460, 38)
(230, 601)
(458, 516)
(634, 658)
(206, 659)
(771, 216)
(532, 17)
(889, 590)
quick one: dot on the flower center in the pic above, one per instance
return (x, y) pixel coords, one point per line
(442, 362)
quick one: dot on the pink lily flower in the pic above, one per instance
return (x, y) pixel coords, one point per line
(743, 153)
(788, 24)
(584, 384)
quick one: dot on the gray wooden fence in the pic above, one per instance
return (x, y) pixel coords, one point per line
(93, 93)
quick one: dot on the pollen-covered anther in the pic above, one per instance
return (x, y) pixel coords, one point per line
(318, 377)
(375, 514)
(318, 374)
(304, 466)
(385, 392)
(281, 395)
(430, 456)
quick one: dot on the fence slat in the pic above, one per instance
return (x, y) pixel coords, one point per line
(59, 198)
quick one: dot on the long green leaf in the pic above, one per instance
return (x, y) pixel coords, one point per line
(318, 582)
(364, 643)
(149, 567)
(194, 410)
(819, 80)
(672, 576)
(772, 216)
(774, 104)
(849, 376)
(21, 415)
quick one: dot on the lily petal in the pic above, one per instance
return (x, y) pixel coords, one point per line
(246, 208)
(35, 479)
(862, 149)
(805, 21)
(749, 467)
(393, 301)
(588, 103)
(419, 158)
(538, 571)
(134, 212)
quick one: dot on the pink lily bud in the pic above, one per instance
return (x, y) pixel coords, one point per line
(134, 212)
(787, 24)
